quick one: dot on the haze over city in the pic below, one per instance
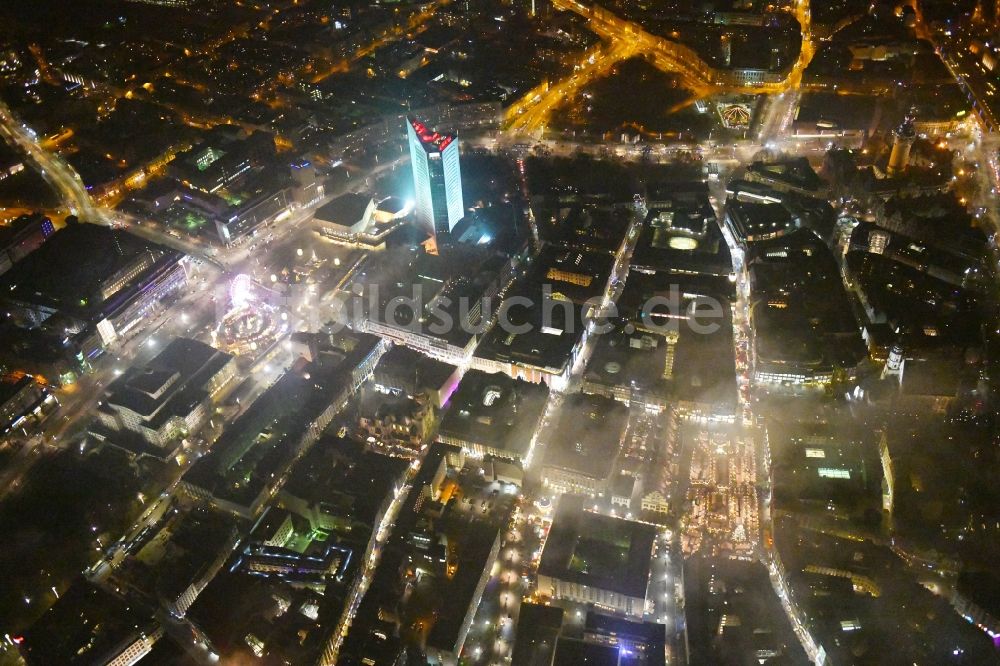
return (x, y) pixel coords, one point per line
(499, 333)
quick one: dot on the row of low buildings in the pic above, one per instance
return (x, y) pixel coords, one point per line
(227, 186)
(250, 461)
(443, 568)
(22, 399)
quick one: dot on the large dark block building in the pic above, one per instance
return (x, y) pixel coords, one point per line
(169, 397)
(596, 559)
(804, 323)
(681, 234)
(493, 414)
(89, 286)
(584, 449)
(88, 625)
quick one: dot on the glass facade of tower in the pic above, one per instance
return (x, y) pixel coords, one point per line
(437, 177)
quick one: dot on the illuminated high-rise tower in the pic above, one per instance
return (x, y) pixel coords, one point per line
(437, 178)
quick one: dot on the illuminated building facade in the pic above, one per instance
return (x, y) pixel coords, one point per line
(902, 142)
(22, 236)
(571, 570)
(171, 395)
(108, 283)
(20, 398)
(437, 178)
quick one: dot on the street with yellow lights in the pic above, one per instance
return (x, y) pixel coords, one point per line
(623, 39)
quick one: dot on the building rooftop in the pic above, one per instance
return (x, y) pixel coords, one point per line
(430, 140)
(637, 360)
(792, 172)
(255, 446)
(801, 313)
(821, 463)
(406, 369)
(292, 624)
(392, 205)
(85, 626)
(701, 364)
(501, 227)
(573, 652)
(573, 275)
(221, 157)
(495, 411)
(918, 297)
(70, 271)
(982, 588)
(11, 386)
(383, 591)
(199, 539)
(640, 287)
(11, 233)
(598, 551)
(478, 539)
(828, 110)
(595, 227)
(170, 384)
(392, 280)
(647, 640)
(938, 220)
(588, 435)
(347, 210)
(682, 241)
(534, 340)
(339, 478)
(681, 233)
(649, 633)
(937, 375)
(538, 629)
(752, 220)
(959, 261)
(623, 485)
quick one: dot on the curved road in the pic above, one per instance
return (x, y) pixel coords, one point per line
(627, 38)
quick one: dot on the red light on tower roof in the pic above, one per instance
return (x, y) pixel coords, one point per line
(431, 138)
